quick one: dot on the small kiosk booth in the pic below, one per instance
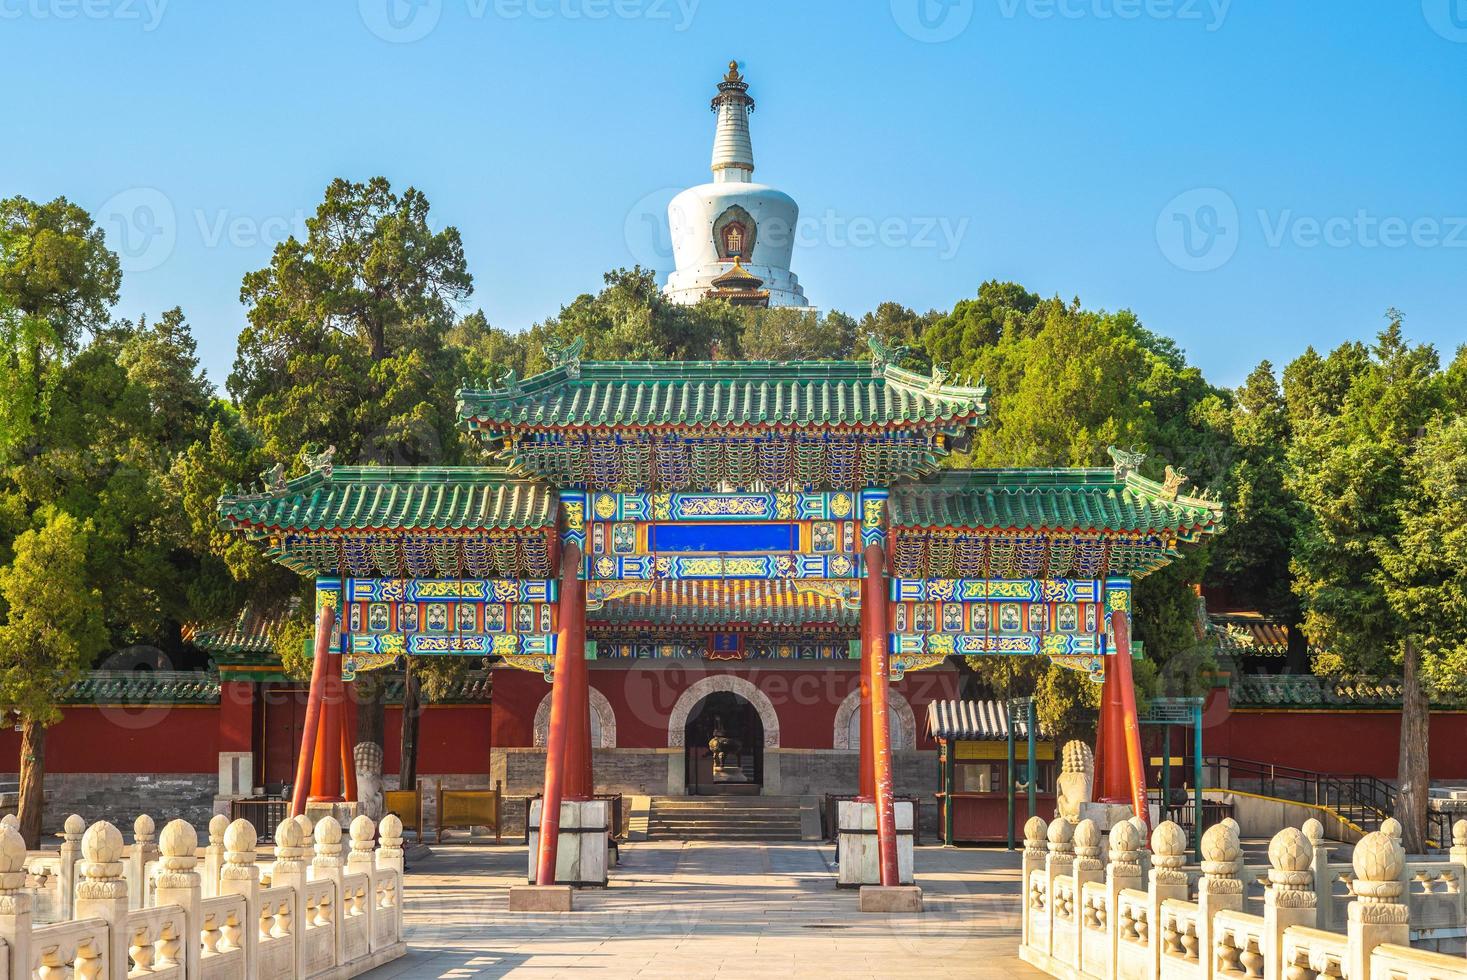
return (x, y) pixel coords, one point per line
(989, 752)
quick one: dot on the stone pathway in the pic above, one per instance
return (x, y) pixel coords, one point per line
(701, 910)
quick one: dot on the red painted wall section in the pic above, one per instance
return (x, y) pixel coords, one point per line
(1343, 742)
(166, 738)
(236, 716)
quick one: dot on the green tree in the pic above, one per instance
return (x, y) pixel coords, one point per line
(630, 320)
(53, 628)
(1356, 417)
(1251, 560)
(347, 344)
(790, 334)
(1067, 382)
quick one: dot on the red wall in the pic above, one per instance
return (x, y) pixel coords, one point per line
(457, 738)
(1342, 742)
(165, 738)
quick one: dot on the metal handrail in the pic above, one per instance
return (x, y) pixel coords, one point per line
(1366, 800)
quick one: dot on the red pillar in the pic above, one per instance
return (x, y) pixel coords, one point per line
(1111, 783)
(325, 625)
(1130, 723)
(578, 783)
(326, 782)
(869, 635)
(878, 651)
(560, 707)
(348, 743)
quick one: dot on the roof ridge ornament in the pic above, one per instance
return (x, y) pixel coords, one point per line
(885, 355)
(566, 356)
(273, 479)
(939, 376)
(320, 462)
(511, 381)
(1175, 480)
(1127, 461)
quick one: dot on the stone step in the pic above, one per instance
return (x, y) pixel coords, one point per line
(741, 818)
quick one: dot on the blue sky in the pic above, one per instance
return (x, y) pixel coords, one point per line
(1249, 176)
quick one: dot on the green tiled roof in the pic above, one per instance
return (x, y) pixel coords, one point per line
(1087, 500)
(723, 394)
(252, 632)
(144, 687)
(417, 498)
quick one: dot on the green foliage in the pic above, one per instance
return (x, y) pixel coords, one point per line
(53, 624)
(630, 320)
(1067, 382)
(786, 334)
(346, 343)
(1355, 416)
(1425, 565)
(1252, 559)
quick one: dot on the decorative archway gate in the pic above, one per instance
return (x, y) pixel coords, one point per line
(735, 511)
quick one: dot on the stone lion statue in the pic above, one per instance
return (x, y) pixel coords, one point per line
(1076, 780)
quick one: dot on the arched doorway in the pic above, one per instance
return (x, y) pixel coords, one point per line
(724, 740)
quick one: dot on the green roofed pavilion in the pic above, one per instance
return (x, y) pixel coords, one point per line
(401, 521)
(689, 425)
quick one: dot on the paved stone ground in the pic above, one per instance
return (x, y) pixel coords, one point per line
(699, 910)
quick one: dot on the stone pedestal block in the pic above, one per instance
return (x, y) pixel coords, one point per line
(1105, 815)
(344, 813)
(857, 851)
(898, 898)
(581, 856)
(541, 898)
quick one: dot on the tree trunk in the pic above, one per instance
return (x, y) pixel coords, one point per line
(32, 778)
(411, 708)
(1414, 771)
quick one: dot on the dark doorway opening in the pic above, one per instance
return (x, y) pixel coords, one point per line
(725, 747)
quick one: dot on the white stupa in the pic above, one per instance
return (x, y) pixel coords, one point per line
(733, 238)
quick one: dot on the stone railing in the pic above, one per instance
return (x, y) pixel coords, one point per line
(167, 908)
(1299, 917)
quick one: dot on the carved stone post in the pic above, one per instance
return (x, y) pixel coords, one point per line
(214, 854)
(179, 884)
(1123, 871)
(361, 860)
(289, 871)
(1379, 913)
(1289, 900)
(101, 892)
(1059, 861)
(15, 902)
(1220, 888)
(1323, 877)
(327, 862)
(144, 853)
(240, 876)
(308, 828)
(1086, 868)
(389, 853)
(1143, 853)
(1168, 880)
(71, 838)
(389, 856)
(1032, 861)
